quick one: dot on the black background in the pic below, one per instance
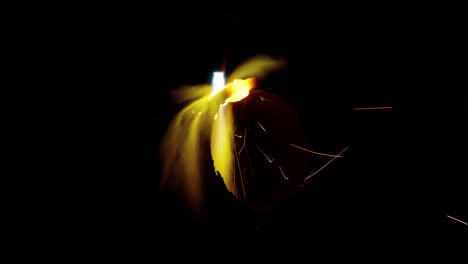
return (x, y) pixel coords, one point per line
(393, 190)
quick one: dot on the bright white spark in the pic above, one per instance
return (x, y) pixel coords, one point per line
(218, 83)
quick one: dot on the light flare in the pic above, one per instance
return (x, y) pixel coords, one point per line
(217, 83)
(222, 142)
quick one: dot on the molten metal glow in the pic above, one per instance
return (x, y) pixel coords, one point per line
(222, 146)
(239, 89)
(192, 130)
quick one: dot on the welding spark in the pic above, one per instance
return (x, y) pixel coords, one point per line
(208, 121)
(264, 130)
(326, 164)
(318, 153)
(283, 173)
(263, 99)
(269, 160)
(243, 144)
(372, 108)
(458, 220)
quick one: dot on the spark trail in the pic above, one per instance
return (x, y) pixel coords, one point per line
(326, 164)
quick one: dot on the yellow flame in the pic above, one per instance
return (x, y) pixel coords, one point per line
(239, 89)
(206, 124)
(222, 146)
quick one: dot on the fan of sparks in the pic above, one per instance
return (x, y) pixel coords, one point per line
(204, 130)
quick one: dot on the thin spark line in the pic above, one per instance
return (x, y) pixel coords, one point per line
(238, 136)
(240, 172)
(283, 173)
(451, 217)
(263, 99)
(318, 153)
(264, 130)
(243, 145)
(325, 164)
(270, 160)
(236, 162)
(371, 108)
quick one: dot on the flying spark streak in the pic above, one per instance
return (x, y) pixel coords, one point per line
(372, 108)
(264, 130)
(458, 220)
(269, 160)
(241, 177)
(243, 144)
(283, 173)
(318, 153)
(263, 99)
(326, 164)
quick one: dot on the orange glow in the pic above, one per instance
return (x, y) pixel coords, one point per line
(217, 83)
(239, 89)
